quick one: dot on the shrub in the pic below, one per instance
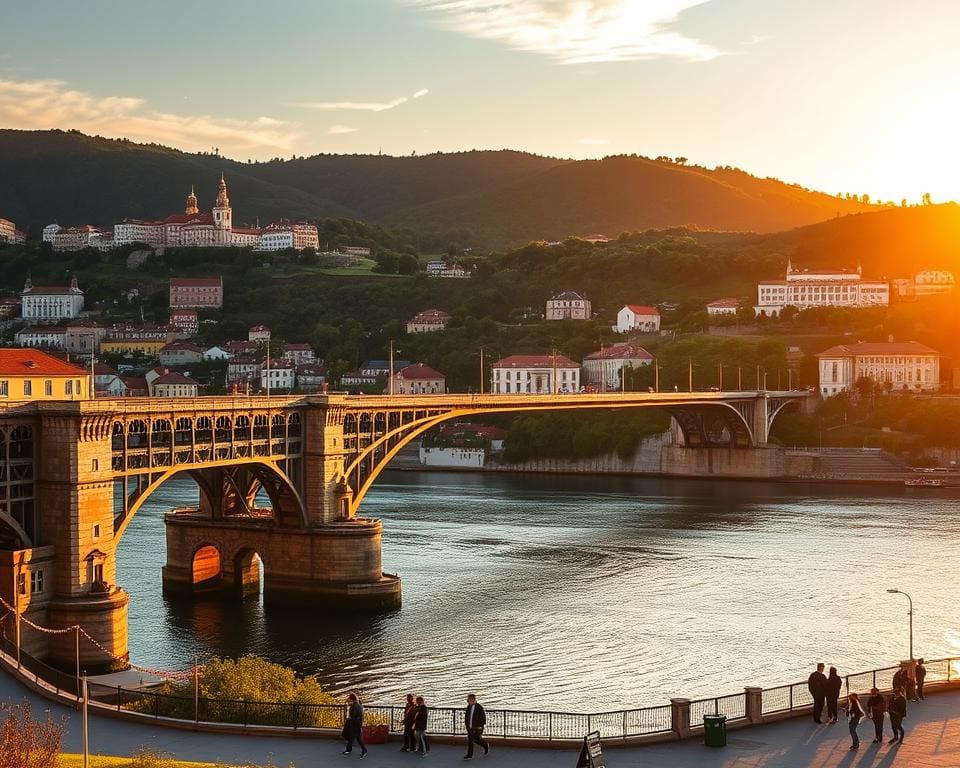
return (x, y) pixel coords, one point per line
(27, 743)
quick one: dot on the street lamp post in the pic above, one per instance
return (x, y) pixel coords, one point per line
(481, 370)
(909, 614)
(390, 388)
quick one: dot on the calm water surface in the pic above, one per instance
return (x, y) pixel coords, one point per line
(582, 593)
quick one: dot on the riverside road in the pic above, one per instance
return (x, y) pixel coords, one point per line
(932, 739)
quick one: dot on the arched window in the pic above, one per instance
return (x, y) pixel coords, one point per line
(183, 431)
(224, 429)
(261, 427)
(160, 434)
(203, 431)
(116, 439)
(293, 425)
(279, 427)
(137, 434)
(241, 428)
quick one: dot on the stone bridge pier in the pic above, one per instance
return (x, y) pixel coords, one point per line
(336, 566)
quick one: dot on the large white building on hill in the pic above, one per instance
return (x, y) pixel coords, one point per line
(804, 289)
(895, 366)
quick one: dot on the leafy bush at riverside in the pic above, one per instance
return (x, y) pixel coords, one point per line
(249, 689)
(27, 743)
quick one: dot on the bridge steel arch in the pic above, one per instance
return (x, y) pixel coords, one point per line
(743, 421)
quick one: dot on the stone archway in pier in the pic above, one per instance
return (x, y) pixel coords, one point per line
(207, 569)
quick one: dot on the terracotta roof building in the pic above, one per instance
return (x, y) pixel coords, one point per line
(540, 374)
(636, 317)
(896, 366)
(604, 368)
(28, 375)
(427, 321)
(196, 292)
(419, 379)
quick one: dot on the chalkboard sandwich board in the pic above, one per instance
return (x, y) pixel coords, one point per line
(591, 753)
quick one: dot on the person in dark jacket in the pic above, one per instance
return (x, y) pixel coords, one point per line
(817, 683)
(899, 679)
(898, 711)
(834, 684)
(854, 713)
(409, 713)
(876, 707)
(474, 719)
(353, 727)
(420, 727)
(921, 674)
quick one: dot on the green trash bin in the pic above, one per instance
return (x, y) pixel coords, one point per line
(715, 730)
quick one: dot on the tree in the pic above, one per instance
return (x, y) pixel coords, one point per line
(926, 199)
(681, 160)
(27, 743)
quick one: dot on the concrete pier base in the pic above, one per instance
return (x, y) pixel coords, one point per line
(336, 565)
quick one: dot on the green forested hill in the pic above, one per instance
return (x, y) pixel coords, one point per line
(475, 199)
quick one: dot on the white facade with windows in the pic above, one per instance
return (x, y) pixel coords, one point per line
(637, 318)
(48, 304)
(892, 366)
(569, 305)
(804, 289)
(536, 374)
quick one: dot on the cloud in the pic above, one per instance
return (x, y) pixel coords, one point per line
(338, 129)
(593, 142)
(43, 104)
(361, 106)
(576, 31)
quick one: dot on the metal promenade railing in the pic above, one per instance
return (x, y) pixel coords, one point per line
(501, 723)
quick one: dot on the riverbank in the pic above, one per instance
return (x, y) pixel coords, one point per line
(660, 457)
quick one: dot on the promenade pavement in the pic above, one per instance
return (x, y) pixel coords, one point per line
(932, 739)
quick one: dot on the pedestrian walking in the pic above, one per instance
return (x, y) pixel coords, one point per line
(353, 727)
(409, 713)
(834, 684)
(817, 683)
(921, 674)
(876, 707)
(420, 727)
(899, 679)
(898, 712)
(474, 718)
(854, 714)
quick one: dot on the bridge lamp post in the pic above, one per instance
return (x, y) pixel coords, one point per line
(481, 370)
(392, 350)
(909, 614)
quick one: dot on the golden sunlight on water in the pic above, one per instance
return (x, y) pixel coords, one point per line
(580, 593)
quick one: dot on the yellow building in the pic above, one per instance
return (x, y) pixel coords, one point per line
(149, 347)
(28, 375)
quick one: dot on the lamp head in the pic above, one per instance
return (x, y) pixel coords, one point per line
(894, 591)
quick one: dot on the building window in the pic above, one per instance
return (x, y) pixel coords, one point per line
(36, 582)
(4, 389)
(98, 573)
(96, 531)
(28, 388)
(48, 388)
(68, 387)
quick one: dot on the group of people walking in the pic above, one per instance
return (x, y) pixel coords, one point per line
(825, 690)
(415, 714)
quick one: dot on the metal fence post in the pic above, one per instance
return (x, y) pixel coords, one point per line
(246, 713)
(874, 679)
(119, 697)
(624, 732)
(791, 698)
(550, 719)
(296, 715)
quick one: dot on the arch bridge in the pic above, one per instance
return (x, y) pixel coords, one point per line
(280, 482)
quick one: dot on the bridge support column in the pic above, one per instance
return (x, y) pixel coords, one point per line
(336, 566)
(104, 617)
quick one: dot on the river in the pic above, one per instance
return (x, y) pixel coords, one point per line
(593, 593)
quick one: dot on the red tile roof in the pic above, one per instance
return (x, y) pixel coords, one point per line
(189, 218)
(430, 316)
(723, 303)
(638, 309)
(27, 362)
(419, 371)
(196, 282)
(626, 351)
(878, 348)
(58, 289)
(173, 378)
(535, 361)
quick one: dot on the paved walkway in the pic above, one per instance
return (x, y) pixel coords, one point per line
(933, 739)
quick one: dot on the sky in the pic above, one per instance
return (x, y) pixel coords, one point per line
(857, 96)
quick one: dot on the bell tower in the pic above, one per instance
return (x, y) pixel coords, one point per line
(222, 216)
(192, 208)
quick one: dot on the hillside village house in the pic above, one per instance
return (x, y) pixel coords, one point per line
(180, 353)
(258, 334)
(29, 375)
(50, 303)
(896, 366)
(278, 378)
(723, 307)
(50, 337)
(299, 354)
(540, 374)
(186, 320)
(604, 368)
(568, 305)
(633, 317)
(804, 289)
(427, 321)
(311, 377)
(170, 384)
(196, 292)
(419, 379)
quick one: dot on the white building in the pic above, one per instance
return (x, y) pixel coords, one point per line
(180, 353)
(540, 374)
(452, 457)
(280, 378)
(50, 232)
(568, 305)
(50, 303)
(604, 368)
(8, 231)
(633, 317)
(172, 385)
(42, 337)
(427, 321)
(723, 307)
(216, 353)
(138, 231)
(804, 289)
(895, 366)
(76, 238)
(419, 379)
(288, 234)
(259, 334)
(299, 354)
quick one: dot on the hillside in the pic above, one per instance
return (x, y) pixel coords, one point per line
(481, 199)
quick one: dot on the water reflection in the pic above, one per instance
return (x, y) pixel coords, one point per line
(593, 593)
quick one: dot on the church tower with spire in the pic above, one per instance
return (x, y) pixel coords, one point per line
(222, 216)
(192, 208)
